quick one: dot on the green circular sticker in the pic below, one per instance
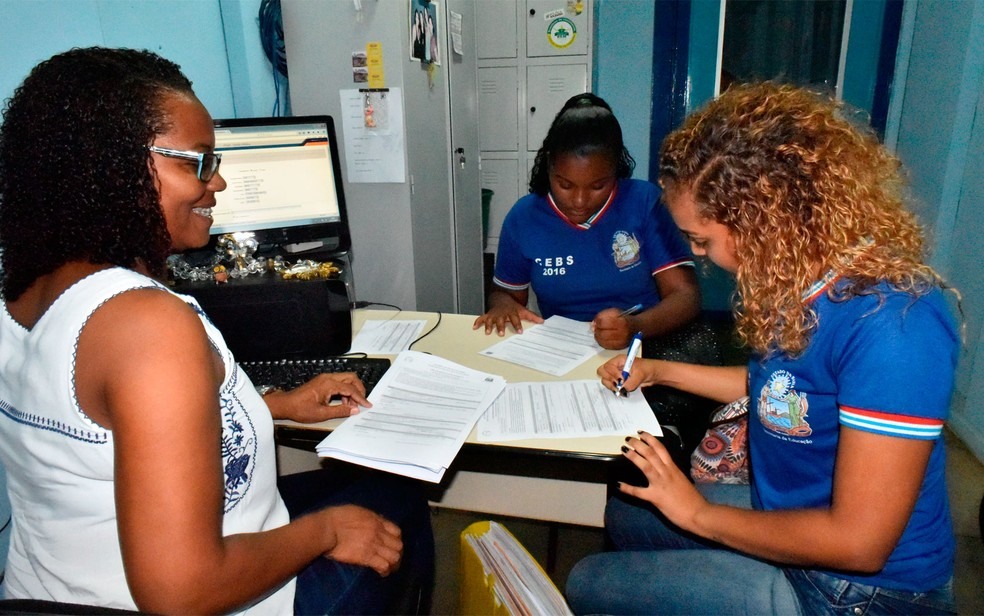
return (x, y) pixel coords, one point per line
(561, 32)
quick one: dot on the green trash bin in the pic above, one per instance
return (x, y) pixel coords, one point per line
(486, 206)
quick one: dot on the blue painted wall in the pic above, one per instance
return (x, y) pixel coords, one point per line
(939, 134)
(249, 71)
(623, 71)
(215, 42)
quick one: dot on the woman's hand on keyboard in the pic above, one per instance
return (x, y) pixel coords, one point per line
(326, 396)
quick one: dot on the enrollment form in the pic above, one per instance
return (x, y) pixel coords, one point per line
(555, 346)
(422, 411)
(565, 409)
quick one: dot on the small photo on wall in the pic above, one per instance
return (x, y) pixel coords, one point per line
(425, 32)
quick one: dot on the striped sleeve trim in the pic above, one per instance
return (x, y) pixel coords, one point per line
(906, 426)
(510, 286)
(687, 262)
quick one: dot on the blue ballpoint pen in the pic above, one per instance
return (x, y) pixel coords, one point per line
(630, 356)
(632, 310)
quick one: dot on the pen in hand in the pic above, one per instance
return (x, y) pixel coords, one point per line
(629, 358)
(630, 311)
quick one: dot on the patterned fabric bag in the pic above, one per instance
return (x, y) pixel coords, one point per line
(722, 456)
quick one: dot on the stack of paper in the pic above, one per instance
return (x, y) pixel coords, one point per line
(498, 575)
(422, 411)
(556, 346)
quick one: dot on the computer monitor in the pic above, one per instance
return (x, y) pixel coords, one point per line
(284, 182)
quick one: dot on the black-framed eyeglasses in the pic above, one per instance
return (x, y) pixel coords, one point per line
(208, 162)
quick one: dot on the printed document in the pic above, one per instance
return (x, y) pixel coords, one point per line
(386, 337)
(565, 409)
(422, 411)
(555, 346)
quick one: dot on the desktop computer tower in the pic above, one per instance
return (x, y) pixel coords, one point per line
(264, 317)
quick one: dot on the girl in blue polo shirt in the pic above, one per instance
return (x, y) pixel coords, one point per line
(854, 356)
(591, 241)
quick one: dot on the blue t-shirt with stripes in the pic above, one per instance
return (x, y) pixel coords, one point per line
(882, 363)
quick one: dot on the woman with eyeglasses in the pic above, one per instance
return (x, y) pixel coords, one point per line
(855, 350)
(140, 460)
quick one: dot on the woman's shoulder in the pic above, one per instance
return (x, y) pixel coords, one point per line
(82, 294)
(134, 301)
(529, 205)
(884, 293)
(637, 203)
(112, 281)
(149, 324)
(145, 307)
(637, 186)
(886, 307)
(639, 193)
(529, 201)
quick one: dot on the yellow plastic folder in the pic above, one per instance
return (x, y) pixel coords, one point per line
(499, 577)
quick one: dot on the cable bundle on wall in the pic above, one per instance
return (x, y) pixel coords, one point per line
(272, 39)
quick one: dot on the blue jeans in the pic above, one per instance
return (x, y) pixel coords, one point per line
(661, 570)
(329, 587)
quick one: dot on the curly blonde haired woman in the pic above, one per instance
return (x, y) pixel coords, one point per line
(854, 352)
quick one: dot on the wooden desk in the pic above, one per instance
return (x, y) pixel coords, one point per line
(559, 480)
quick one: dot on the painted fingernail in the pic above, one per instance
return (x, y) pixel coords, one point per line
(625, 449)
(627, 438)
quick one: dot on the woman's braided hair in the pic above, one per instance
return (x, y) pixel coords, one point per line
(76, 180)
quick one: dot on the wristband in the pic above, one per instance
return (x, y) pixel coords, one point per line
(266, 389)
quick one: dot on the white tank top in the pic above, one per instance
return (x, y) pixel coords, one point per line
(64, 544)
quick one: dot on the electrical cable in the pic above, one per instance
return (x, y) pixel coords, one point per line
(272, 39)
(427, 333)
(360, 304)
(363, 304)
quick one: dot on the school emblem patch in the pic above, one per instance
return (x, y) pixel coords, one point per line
(625, 249)
(781, 409)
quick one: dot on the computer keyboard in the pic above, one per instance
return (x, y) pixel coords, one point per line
(289, 373)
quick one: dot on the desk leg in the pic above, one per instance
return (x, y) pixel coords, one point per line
(552, 542)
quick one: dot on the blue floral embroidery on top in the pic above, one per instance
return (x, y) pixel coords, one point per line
(239, 444)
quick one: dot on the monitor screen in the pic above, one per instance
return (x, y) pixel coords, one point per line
(284, 181)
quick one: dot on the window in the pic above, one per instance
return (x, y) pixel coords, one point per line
(792, 42)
